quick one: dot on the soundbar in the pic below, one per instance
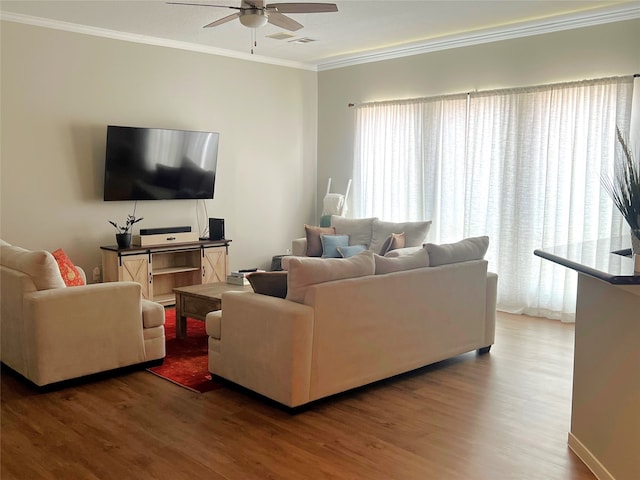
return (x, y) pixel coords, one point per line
(163, 230)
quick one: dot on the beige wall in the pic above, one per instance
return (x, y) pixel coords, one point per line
(593, 52)
(59, 90)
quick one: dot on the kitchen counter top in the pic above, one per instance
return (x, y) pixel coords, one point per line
(607, 259)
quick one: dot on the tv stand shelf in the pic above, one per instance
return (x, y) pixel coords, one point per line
(161, 268)
(169, 271)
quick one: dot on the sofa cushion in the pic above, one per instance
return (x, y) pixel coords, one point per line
(393, 242)
(351, 250)
(38, 264)
(314, 244)
(415, 233)
(305, 272)
(358, 229)
(473, 248)
(419, 259)
(273, 284)
(330, 244)
(70, 274)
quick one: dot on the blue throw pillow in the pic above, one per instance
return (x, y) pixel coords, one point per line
(351, 250)
(330, 244)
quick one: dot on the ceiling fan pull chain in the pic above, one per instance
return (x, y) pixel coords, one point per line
(254, 43)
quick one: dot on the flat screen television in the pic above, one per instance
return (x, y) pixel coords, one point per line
(159, 164)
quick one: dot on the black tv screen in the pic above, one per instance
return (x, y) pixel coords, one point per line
(159, 164)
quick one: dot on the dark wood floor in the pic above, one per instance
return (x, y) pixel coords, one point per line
(504, 415)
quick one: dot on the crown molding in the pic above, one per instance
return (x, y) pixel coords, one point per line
(148, 40)
(539, 27)
(566, 22)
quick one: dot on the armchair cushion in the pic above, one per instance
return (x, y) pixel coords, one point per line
(38, 264)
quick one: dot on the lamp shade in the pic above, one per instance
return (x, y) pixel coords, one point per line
(253, 18)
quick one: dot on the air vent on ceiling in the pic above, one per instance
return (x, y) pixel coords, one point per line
(302, 40)
(280, 36)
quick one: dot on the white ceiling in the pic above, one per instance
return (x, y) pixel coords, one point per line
(361, 30)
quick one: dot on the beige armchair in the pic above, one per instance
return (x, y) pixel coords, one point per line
(52, 333)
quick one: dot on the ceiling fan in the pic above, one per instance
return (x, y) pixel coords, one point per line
(254, 13)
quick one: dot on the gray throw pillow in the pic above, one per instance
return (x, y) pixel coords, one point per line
(419, 259)
(306, 271)
(473, 248)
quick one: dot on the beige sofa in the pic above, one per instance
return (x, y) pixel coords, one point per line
(338, 334)
(372, 234)
(51, 332)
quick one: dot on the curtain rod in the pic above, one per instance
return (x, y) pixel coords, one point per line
(635, 75)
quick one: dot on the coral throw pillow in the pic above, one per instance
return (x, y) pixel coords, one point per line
(68, 270)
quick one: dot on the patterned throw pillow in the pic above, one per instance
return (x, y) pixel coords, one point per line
(68, 270)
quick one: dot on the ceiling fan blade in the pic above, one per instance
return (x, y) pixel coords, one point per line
(222, 20)
(282, 21)
(202, 5)
(303, 7)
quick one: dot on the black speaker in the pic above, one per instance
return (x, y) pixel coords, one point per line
(216, 229)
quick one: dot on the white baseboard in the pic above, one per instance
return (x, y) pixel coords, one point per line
(589, 459)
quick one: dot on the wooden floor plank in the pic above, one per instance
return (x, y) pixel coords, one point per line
(504, 415)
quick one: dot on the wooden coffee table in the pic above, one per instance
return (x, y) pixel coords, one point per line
(198, 300)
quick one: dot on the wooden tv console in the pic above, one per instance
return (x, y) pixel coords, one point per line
(161, 268)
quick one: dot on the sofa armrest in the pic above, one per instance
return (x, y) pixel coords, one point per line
(299, 247)
(76, 331)
(265, 345)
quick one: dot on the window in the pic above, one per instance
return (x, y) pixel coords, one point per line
(522, 166)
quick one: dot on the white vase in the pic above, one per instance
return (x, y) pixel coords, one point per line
(635, 250)
(635, 242)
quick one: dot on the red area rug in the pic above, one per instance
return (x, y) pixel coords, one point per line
(186, 363)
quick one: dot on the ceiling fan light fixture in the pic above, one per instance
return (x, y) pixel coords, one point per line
(253, 18)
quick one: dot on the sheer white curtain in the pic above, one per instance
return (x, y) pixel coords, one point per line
(522, 166)
(409, 161)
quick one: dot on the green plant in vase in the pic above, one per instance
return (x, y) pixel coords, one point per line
(123, 237)
(624, 190)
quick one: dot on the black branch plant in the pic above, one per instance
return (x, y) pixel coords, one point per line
(624, 186)
(131, 219)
